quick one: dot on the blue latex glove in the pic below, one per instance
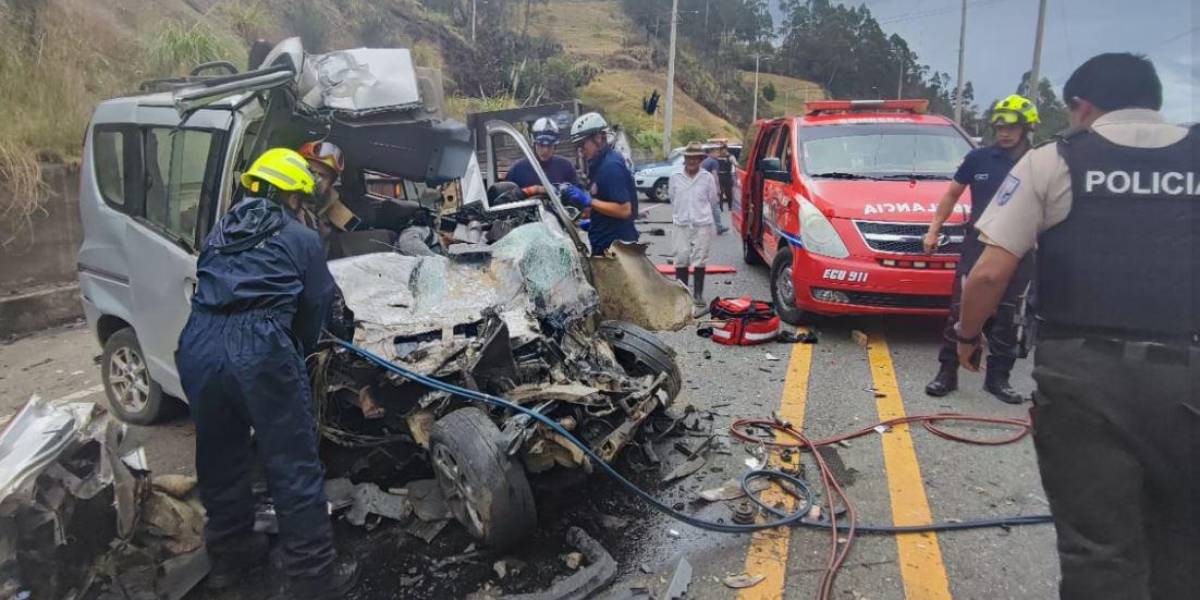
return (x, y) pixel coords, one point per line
(575, 195)
(585, 223)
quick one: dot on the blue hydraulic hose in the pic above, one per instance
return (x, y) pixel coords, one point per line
(783, 519)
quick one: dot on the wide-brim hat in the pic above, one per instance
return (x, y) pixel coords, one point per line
(694, 149)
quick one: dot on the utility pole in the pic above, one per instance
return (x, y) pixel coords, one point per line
(962, 47)
(474, 11)
(1035, 82)
(754, 115)
(670, 82)
(900, 80)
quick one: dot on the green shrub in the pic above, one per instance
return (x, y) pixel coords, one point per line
(688, 134)
(178, 47)
(768, 92)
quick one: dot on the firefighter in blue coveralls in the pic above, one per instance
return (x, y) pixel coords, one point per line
(262, 296)
(613, 198)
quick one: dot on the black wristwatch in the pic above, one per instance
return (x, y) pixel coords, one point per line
(958, 336)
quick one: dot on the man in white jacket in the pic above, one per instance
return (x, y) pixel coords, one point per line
(693, 193)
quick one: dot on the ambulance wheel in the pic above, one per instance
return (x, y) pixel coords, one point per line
(750, 254)
(783, 289)
(640, 352)
(485, 488)
(132, 395)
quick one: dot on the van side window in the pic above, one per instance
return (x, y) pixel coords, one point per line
(176, 164)
(108, 158)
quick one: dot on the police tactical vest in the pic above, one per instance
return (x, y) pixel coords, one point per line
(1127, 257)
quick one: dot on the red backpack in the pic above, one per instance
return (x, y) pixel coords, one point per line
(745, 321)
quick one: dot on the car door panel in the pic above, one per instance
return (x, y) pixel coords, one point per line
(161, 245)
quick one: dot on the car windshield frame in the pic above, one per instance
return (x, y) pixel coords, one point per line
(813, 136)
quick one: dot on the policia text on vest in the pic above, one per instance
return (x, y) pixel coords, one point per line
(1154, 183)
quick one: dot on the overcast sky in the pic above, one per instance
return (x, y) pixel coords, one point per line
(1000, 36)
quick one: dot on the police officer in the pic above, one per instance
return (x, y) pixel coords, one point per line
(262, 296)
(1013, 119)
(613, 197)
(558, 170)
(1114, 209)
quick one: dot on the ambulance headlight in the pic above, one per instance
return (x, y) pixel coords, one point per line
(817, 233)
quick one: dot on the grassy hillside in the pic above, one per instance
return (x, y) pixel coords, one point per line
(790, 93)
(598, 31)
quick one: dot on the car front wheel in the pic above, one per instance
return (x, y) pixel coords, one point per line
(132, 395)
(485, 488)
(662, 190)
(783, 289)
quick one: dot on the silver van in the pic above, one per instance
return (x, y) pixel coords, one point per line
(158, 169)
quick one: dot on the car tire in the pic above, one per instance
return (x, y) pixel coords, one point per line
(132, 395)
(486, 489)
(661, 192)
(750, 254)
(640, 353)
(783, 289)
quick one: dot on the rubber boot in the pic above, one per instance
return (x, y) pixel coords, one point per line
(698, 287)
(681, 273)
(246, 554)
(336, 582)
(944, 382)
(996, 383)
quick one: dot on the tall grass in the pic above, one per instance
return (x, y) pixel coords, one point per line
(180, 46)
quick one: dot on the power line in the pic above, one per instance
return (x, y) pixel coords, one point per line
(933, 12)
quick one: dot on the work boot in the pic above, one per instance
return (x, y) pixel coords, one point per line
(944, 382)
(698, 287)
(244, 556)
(996, 383)
(336, 582)
(681, 273)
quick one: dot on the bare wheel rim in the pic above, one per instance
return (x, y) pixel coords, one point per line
(457, 490)
(129, 380)
(787, 290)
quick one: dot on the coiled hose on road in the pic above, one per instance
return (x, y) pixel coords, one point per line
(799, 517)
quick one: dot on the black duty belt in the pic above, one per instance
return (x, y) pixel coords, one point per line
(1153, 347)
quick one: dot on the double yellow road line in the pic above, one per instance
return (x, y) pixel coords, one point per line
(921, 568)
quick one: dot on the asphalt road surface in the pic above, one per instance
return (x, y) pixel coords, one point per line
(901, 476)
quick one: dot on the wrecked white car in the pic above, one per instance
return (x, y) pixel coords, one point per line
(496, 294)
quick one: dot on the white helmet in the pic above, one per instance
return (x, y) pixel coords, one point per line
(587, 125)
(544, 131)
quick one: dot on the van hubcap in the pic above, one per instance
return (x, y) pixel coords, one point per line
(457, 491)
(129, 380)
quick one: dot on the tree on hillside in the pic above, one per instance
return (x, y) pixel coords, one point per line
(1052, 112)
(769, 92)
(845, 49)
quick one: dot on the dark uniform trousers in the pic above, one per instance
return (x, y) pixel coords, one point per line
(244, 370)
(1117, 430)
(1003, 327)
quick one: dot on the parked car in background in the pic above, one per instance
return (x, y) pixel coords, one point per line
(652, 178)
(837, 202)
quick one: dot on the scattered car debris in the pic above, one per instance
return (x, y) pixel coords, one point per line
(573, 560)
(743, 581)
(744, 512)
(600, 571)
(770, 356)
(680, 581)
(611, 522)
(860, 338)
(732, 490)
(427, 501)
(370, 500)
(798, 337)
(80, 517)
(426, 531)
(177, 486)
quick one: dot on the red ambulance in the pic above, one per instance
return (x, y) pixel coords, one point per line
(838, 201)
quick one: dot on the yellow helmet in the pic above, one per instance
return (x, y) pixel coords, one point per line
(1015, 110)
(283, 168)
